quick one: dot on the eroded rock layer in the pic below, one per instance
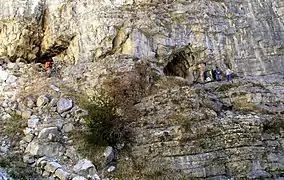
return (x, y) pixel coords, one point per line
(246, 35)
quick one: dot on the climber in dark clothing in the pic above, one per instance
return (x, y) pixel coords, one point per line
(217, 74)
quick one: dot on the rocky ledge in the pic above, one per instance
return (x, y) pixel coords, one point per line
(217, 130)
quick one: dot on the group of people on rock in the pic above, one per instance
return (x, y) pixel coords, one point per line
(208, 75)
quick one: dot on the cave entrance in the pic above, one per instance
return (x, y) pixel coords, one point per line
(51, 52)
(58, 47)
(179, 64)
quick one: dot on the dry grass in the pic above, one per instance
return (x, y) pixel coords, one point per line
(14, 127)
(140, 168)
(16, 168)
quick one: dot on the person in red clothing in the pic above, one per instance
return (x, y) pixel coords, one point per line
(48, 64)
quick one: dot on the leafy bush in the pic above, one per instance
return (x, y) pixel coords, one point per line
(104, 125)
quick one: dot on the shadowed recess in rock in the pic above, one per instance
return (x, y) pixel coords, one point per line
(57, 48)
(179, 64)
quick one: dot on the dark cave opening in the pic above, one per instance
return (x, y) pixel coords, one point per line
(179, 64)
(51, 52)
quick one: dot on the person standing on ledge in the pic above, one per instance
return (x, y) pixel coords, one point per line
(217, 73)
(229, 74)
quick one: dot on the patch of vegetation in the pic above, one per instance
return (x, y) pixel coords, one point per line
(186, 124)
(103, 125)
(127, 88)
(245, 106)
(226, 87)
(148, 169)
(258, 85)
(16, 169)
(274, 124)
(14, 126)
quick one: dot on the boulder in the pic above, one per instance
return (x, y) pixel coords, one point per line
(33, 122)
(64, 105)
(44, 133)
(85, 167)
(42, 100)
(109, 155)
(61, 174)
(4, 175)
(44, 149)
(52, 167)
(11, 79)
(3, 75)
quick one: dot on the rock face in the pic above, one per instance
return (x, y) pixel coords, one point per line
(232, 130)
(4, 176)
(132, 48)
(246, 35)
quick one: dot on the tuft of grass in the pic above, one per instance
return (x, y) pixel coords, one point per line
(16, 169)
(14, 126)
(226, 87)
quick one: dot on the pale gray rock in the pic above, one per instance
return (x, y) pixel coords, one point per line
(13, 66)
(30, 103)
(111, 169)
(42, 100)
(6, 117)
(53, 102)
(259, 174)
(4, 149)
(11, 79)
(44, 149)
(45, 132)
(52, 166)
(68, 127)
(3, 75)
(109, 155)
(55, 88)
(28, 159)
(4, 175)
(85, 167)
(33, 122)
(61, 174)
(79, 178)
(41, 162)
(5, 103)
(28, 138)
(64, 105)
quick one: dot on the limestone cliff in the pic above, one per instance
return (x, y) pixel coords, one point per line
(148, 55)
(247, 35)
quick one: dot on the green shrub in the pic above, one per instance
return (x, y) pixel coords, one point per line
(104, 125)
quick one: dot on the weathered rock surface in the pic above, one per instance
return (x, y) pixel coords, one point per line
(218, 130)
(246, 35)
(4, 176)
(186, 129)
